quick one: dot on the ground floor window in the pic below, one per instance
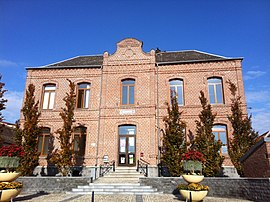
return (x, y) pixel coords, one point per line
(43, 141)
(79, 141)
(220, 132)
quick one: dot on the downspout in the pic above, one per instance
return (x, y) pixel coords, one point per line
(158, 125)
(99, 114)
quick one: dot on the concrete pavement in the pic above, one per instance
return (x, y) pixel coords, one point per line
(112, 198)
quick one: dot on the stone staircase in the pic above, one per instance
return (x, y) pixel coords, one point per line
(124, 180)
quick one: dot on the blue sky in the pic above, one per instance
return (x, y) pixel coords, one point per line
(36, 33)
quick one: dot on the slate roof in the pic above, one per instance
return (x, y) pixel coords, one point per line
(186, 56)
(95, 60)
(161, 58)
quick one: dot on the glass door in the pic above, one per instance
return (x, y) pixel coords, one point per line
(127, 146)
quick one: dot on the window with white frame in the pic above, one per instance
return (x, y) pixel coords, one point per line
(43, 141)
(220, 132)
(176, 90)
(48, 96)
(128, 92)
(215, 90)
(83, 97)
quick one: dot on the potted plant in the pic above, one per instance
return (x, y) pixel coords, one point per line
(9, 160)
(193, 191)
(10, 156)
(193, 161)
(9, 190)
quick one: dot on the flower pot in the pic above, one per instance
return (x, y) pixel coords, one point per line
(8, 177)
(193, 178)
(9, 194)
(195, 195)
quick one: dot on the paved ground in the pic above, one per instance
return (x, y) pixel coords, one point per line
(112, 198)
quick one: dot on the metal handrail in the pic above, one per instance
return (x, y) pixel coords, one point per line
(142, 167)
(104, 169)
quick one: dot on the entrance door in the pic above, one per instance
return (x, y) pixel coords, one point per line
(127, 145)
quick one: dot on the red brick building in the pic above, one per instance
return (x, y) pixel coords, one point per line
(121, 99)
(258, 155)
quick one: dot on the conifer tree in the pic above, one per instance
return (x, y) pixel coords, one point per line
(205, 142)
(18, 133)
(244, 136)
(174, 141)
(2, 107)
(63, 157)
(30, 133)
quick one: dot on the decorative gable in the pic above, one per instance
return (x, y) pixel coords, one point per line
(129, 51)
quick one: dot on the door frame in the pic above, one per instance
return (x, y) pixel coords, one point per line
(126, 150)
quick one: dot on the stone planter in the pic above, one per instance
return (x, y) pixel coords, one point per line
(8, 177)
(8, 194)
(193, 178)
(195, 195)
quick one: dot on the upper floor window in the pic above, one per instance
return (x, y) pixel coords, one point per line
(79, 140)
(43, 141)
(128, 88)
(220, 132)
(176, 89)
(215, 90)
(83, 95)
(48, 96)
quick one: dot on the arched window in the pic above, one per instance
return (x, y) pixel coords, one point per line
(48, 96)
(79, 140)
(220, 132)
(176, 89)
(128, 92)
(83, 95)
(43, 141)
(215, 90)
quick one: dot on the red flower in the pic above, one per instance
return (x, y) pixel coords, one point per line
(12, 150)
(193, 155)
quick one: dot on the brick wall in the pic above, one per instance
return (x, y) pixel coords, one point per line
(151, 92)
(257, 164)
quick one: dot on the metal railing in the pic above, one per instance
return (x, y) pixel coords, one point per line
(142, 167)
(106, 167)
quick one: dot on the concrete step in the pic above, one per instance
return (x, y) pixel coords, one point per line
(122, 176)
(124, 180)
(119, 193)
(113, 181)
(114, 190)
(125, 170)
(112, 186)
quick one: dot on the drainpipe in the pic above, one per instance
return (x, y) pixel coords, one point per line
(158, 125)
(99, 114)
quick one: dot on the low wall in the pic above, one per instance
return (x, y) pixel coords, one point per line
(51, 184)
(255, 189)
